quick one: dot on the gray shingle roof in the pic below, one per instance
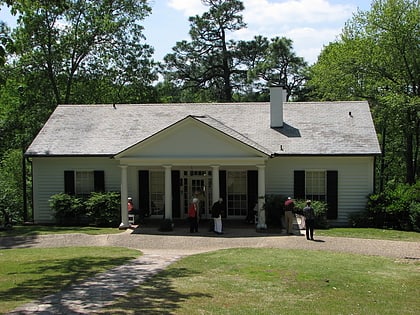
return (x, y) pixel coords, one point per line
(309, 128)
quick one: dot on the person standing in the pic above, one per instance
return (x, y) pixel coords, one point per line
(216, 214)
(309, 214)
(289, 206)
(193, 215)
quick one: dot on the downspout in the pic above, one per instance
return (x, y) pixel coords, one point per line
(25, 203)
(31, 219)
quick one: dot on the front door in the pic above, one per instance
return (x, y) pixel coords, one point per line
(197, 184)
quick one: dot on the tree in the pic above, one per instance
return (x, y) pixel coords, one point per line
(278, 65)
(207, 61)
(377, 58)
(70, 39)
(67, 51)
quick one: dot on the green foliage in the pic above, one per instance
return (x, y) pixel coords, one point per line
(414, 215)
(102, 39)
(101, 209)
(211, 68)
(166, 225)
(206, 63)
(277, 65)
(11, 196)
(67, 209)
(377, 58)
(320, 208)
(104, 208)
(274, 210)
(397, 207)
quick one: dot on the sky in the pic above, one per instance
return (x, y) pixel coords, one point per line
(310, 24)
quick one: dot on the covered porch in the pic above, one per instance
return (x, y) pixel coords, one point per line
(166, 190)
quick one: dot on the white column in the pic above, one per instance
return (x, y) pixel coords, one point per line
(168, 191)
(261, 197)
(124, 197)
(215, 183)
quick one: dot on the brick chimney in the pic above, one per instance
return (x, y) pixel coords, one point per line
(277, 97)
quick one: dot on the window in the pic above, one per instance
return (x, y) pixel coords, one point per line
(83, 182)
(157, 192)
(237, 193)
(316, 185)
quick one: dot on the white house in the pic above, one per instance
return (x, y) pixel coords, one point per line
(163, 154)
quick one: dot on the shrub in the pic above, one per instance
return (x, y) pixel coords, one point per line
(67, 209)
(414, 215)
(274, 210)
(320, 208)
(101, 209)
(360, 220)
(397, 207)
(166, 225)
(104, 209)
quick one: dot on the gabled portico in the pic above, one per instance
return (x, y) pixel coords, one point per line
(193, 143)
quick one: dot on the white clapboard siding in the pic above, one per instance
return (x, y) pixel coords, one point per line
(355, 179)
(48, 179)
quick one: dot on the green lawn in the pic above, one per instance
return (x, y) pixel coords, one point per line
(278, 281)
(30, 230)
(235, 281)
(370, 233)
(30, 273)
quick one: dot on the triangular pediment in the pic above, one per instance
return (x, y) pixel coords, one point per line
(191, 138)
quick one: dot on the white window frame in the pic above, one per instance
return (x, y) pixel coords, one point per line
(316, 184)
(84, 182)
(237, 193)
(157, 192)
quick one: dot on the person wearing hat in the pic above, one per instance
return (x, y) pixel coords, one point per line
(193, 215)
(309, 214)
(289, 206)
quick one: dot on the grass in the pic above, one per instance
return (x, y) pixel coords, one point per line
(30, 273)
(371, 233)
(235, 281)
(278, 281)
(31, 230)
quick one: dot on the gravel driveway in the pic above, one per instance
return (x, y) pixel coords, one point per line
(179, 242)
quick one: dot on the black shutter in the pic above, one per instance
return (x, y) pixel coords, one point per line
(252, 189)
(69, 187)
(144, 197)
(222, 190)
(299, 185)
(99, 181)
(176, 194)
(332, 194)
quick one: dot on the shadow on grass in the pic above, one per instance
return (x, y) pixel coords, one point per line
(54, 275)
(157, 295)
(17, 241)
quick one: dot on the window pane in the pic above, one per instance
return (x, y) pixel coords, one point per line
(84, 182)
(157, 192)
(315, 185)
(237, 193)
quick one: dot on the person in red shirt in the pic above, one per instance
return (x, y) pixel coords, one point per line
(193, 215)
(130, 206)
